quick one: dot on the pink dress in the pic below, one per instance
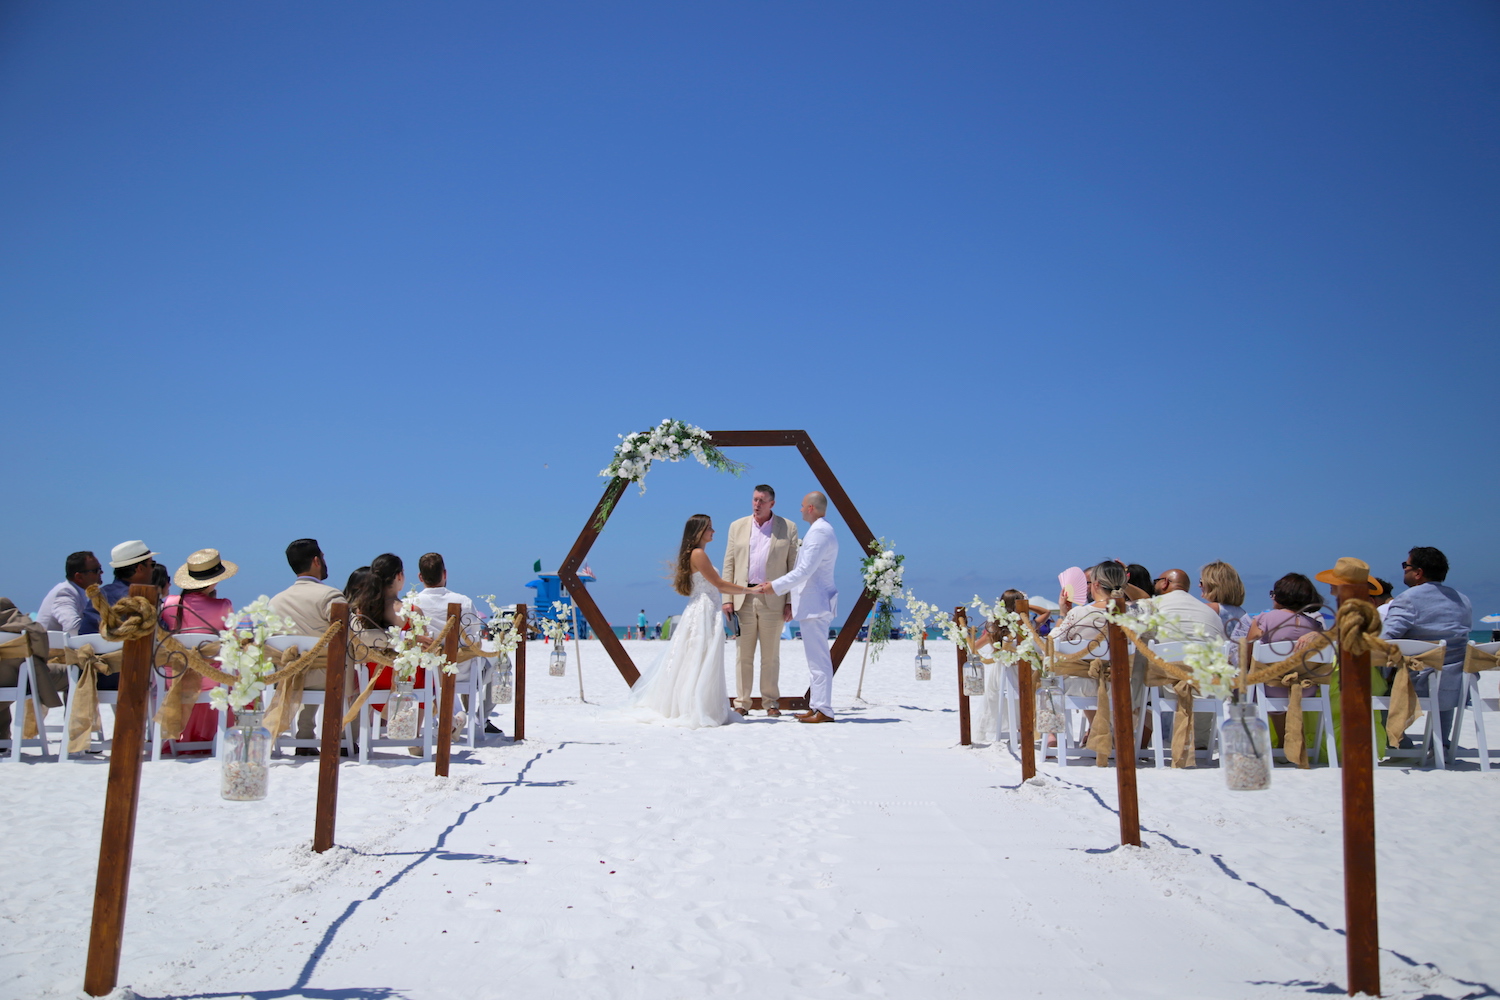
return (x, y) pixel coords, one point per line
(198, 615)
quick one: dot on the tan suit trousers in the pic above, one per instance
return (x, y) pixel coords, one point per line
(760, 621)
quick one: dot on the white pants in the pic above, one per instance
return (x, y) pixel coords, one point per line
(819, 663)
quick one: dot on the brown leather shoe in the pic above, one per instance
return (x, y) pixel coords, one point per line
(814, 717)
(773, 712)
(742, 711)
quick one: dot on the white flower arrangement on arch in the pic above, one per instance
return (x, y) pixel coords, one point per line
(242, 652)
(668, 441)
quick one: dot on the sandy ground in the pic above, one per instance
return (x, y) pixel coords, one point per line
(604, 858)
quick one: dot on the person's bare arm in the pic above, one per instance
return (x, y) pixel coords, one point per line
(702, 564)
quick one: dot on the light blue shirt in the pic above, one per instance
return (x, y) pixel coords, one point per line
(1433, 611)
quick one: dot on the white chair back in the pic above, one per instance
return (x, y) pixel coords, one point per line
(100, 644)
(1416, 647)
(1281, 649)
(282, 643)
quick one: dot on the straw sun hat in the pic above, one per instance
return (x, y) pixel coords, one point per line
(1351, 572)
(203, 569)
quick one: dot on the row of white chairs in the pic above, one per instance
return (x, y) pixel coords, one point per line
(1161, 706)
(25, 689)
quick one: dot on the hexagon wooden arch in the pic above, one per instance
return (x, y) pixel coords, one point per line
(800, 440)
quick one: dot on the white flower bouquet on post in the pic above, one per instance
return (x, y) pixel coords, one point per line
(505, 631)
(410, 651)
(882, 572)
(556, 628)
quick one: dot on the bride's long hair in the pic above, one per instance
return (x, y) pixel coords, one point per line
(692, 538)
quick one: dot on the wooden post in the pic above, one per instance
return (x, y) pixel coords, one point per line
(1124, 726)
(518, 728)
(1361, 919)
(1026, 684)
(122, 794)
(445, 697)
(333, 731)
(962, 617)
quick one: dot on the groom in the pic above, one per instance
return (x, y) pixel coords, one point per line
(815, 600)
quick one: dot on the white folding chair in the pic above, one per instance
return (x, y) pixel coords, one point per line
(18, 695)
(1429, 705)
(192, 640)
(1075, 705)
(281, 643)
(1161, 702)
(1319, 701)
(100, 646)
(476, 689)
(373, 722)
(1479, 705)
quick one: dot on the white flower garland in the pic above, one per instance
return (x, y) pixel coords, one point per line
(1211, 670)
(1000, 617)
(242, 652)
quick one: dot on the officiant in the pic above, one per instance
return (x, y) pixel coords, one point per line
(761, 547)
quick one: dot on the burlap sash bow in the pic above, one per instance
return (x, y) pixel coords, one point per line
(1086, 663)
(1405, 707)
(1305, 675)
(1476, 660)
(83, 710)
(31, 643)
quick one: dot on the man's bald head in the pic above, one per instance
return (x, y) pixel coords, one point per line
(814, 506)
(1173, 579)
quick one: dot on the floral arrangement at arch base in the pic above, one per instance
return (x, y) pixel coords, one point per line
(668, 441)
(882, 571)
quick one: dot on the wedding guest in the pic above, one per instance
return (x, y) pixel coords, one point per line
(1196, 621)
(1382, 601)
(199, 610)
(377, 602)
(1294, 603)
(1224, 591)
(1139, 577)
(1431, 610)
(162, 581)
(132, 563)
(1085, 623)
(308, 603)
(67, 607)
(434, 599)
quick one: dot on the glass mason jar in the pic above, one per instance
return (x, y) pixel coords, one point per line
(503, 686)
(974, 678)
(924, 664)
(1245, 740)
(1049, 704)
(401, 712)
(246, 763)
(557, 663)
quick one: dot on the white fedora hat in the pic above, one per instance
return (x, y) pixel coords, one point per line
(129, 553)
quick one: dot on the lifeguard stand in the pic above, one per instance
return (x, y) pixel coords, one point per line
(549, 588)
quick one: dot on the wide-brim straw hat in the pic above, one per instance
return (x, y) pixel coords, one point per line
(203, 569)
(1351, 572)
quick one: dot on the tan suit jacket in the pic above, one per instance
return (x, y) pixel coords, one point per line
(779, 561)
(309, 604)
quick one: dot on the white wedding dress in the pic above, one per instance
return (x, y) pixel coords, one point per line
(685, 685)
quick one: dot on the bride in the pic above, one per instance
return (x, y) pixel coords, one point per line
(685, 686)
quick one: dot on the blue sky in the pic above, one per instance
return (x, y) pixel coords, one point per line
(1047, 283)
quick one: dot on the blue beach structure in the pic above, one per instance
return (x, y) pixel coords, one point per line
(548, 587)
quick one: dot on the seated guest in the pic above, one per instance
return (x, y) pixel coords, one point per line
(199, 610)
(1139, 577)
(1431, 610)
(1224, 591)
(67, 607)
(434, 599)
(308, 603)
(375, 604)
(1294, 601)
(1382, 600)
(132, 563)
(162, 581)
(1196, 621)
(1085, 623)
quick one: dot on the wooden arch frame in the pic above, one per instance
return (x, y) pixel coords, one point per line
(800, 440)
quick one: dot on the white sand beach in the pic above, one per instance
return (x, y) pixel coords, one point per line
(603, 858)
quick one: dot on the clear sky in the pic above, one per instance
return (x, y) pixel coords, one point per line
(1046, 282)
